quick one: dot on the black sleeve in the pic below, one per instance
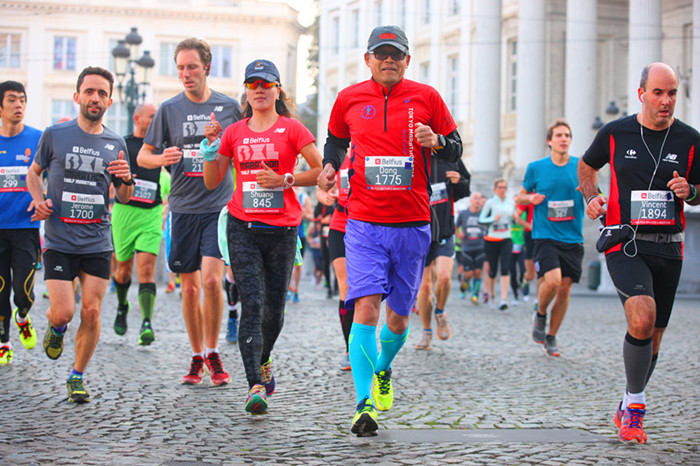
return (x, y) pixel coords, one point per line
(334, 151)
(461, 189)
(451, 150)
(598, 153)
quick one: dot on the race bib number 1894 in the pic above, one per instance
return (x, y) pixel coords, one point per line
(652, 208)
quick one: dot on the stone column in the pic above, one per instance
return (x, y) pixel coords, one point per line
(695, 78)
(580, 96)
(530, 124)
(487, 98)
(644, 45)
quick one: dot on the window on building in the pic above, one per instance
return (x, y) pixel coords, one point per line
(424, 72)
(335, 35)
(379, 13)
(166, 65)
(64, 53)
(116, 118)
(452, 84)
(355, 28)
(512, 75)
(455, 7)
(62, 109)
(221, 61)
(426, 11)
(402, 14)
(9, 50)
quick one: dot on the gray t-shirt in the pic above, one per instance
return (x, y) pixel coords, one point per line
(473, 239)
(78, 186)
(181, 122)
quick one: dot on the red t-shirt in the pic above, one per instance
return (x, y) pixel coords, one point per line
(278, 147)
(390, 179)
(340, 216)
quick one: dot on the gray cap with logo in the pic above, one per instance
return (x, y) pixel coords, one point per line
(387, 35)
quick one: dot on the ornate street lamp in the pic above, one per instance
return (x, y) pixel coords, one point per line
(133, 92)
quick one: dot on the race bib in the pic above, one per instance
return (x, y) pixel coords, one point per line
(262, 200)
(82, 208)
(194, 163)
(13, 179)
(501, 227)
(384, 172)
(473, 233)
(652, 208)
(439, 195)
(560, 211)
(344, 179)
(144, 191)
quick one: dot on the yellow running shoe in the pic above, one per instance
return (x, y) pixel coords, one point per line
(27, 334)
(53, 343)
(364, 424)
(382, 392)
(5, 355)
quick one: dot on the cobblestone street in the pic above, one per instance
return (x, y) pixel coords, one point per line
(488, 395)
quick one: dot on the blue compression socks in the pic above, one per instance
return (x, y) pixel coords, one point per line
(363, 357)
(391, 344)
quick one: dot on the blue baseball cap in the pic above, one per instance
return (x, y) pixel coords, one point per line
(262, 69)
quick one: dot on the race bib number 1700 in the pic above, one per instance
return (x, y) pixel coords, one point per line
(82, 208)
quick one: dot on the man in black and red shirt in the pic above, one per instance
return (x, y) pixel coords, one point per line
(653, 171)
(395, 125)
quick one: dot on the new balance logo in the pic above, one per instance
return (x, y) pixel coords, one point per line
(109, 146)
(672, 158)
(218, 108)
(279, 130)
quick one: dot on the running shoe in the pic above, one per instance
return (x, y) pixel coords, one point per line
(526, 290)
(515, 302)
(120, 320)
(444, 331)
(267, 378)
(539, 322)
(76, 390)
(619, 413)
(5, 355)
(425, 339)
(345, 363)
(502, 306)
(383, 392)
(463, 287)
(295, 298)
(486, 298)
(146, 335)
(197, 371)
(171, 287)
(289, 294)
(27, 334)
(475, 299)
(631, 429)
(256, 403)
(218, 375)
(53, 343)
(364, 424)
(232, 330)
(550, 346)
(463, 295)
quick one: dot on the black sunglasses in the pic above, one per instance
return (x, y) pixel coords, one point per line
(381, 55)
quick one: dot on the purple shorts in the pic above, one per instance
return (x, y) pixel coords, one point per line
(387, 261)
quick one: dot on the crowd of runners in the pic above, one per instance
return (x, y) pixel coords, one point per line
(241, 182)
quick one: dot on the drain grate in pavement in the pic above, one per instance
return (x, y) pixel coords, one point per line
(490, 435)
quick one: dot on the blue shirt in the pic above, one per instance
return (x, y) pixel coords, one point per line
(560, 216)
(16, 155)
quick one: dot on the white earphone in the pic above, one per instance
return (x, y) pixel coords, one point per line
(642, 98)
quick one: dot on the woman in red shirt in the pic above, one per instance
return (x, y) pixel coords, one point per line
(264, 213)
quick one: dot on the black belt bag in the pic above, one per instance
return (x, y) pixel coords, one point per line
(613, 235)
(259, 228)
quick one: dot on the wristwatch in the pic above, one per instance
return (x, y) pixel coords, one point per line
(130, 183)
(288, 180)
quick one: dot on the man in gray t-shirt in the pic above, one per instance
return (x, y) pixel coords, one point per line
(471, 255)
(177, 129)
(83, 159)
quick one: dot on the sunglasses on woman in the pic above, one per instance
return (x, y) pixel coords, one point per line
(260, 82)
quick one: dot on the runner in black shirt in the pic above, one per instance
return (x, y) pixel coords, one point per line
(651, 165)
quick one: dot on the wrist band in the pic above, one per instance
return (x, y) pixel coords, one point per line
(694, 191)
(209, 152)
(130, 183)
(591, 198)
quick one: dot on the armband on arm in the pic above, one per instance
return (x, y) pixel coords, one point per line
(209, 152)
